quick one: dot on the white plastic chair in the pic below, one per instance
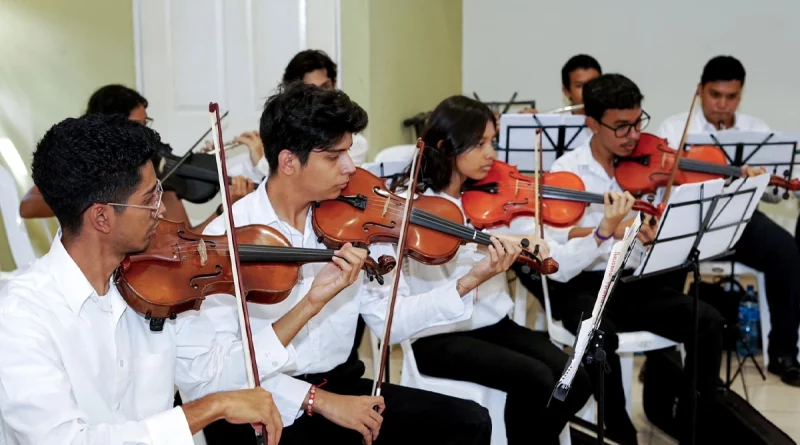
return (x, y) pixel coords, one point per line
(396, 153)
(723, 268)
(629, 344)
(18, 239)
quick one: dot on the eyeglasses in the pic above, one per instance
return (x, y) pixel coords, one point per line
(624, 129)
(154, 205)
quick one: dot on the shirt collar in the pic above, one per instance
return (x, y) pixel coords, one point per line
(266, 213)
(583, 154)
(69, 278)
(703, 125)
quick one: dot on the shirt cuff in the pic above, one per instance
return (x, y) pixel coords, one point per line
(169, 428)
(263, 166)
(271, 356)
(288, 393)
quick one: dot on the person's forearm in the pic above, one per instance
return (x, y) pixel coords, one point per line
(202, 412)
(202, 226)
(580, 232)
(290, 324)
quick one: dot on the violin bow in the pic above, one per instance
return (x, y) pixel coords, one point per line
(401, 253)
(190, 151)
(679, 154)
(244, 318)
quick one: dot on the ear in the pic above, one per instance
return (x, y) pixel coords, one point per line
(98, 218)
(287, 162)
(593, 125)
(699, 89)
(566, 94)
(440, 145)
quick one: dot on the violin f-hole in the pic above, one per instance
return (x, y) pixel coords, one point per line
(515, 204)
(217, 272)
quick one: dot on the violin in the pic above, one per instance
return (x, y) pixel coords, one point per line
(180, 267)
(367, 212)
(505, 194)
(650, 164)
(193, 177)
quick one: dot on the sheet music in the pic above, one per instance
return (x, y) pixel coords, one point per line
(774, 151)
(620, 253)
(517, 132)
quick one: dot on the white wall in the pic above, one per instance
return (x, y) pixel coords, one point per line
(521, 45)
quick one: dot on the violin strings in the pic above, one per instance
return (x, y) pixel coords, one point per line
(707, 167)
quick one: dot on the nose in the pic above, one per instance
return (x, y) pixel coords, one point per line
(348, 166)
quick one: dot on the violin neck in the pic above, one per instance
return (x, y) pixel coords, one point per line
(430, 221)
(563, 194)
(199, 174)
(708, 167)
(255, 253)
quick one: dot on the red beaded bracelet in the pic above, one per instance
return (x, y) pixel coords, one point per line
(311, 393)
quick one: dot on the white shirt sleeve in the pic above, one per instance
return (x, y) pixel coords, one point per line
(359, 150)
(36, 400)
(210, 355)
(415, 313)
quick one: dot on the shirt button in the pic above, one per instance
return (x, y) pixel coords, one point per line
(122, 363)
(116, 406)
(275, 364)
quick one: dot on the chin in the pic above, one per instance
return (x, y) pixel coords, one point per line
(479, 175)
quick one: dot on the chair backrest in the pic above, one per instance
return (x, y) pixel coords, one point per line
(396, 153)
(18, 239)
(386, 169)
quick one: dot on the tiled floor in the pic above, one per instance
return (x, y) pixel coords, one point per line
(778, 402)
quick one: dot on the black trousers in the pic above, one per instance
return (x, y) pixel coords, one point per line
(412, 416)
(513, 359)
(653, 304)
(769, 248)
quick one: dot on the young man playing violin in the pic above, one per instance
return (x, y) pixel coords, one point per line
(307, 132)
(615, 117)
(121, 100)
(764, 245)
(77, 365)
(489, 348)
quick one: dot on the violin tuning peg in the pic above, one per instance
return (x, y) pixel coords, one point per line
(526, 270)
(525, 243)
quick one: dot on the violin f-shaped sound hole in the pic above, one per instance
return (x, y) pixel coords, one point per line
(199, 278)
(182, 235)
(368, 226)
(515, 204)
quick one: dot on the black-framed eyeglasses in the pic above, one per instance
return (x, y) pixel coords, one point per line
(624, 129)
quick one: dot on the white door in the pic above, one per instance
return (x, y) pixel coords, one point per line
(233, 52)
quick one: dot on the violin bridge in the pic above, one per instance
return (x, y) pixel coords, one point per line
(385, 207)
(201, 249)
(663, 160)
(516, 187)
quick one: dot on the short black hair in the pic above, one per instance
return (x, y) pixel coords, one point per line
(306, 62)
(93, 158)
(723, 69)
(115, 99)
(581, 61)
(303, 118)
(610, 92)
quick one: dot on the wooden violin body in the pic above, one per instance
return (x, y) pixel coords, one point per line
(180, 268)
(505, 194)
(649, 166)
(366, 212)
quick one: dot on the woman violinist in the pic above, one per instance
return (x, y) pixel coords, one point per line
(118, 99)
(489, 348)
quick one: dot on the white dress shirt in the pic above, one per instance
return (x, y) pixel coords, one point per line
(327, 339)
(582, 163)
(672, 130)
(672, 127)
(78, 368)
(492, 298)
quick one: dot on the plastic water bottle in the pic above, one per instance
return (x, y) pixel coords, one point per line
(749, 320)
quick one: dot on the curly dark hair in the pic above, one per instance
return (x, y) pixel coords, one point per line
(308, 61)
(93, 158)
(303, 118)
(610, 92)
(458, 122)
(115, 99)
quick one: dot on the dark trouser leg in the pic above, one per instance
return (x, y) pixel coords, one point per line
(412, 416)
(508, 357)
(767, 247)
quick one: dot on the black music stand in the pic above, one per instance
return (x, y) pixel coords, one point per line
(774, 151)
(589, 342)
(719, 214)
(562, 133)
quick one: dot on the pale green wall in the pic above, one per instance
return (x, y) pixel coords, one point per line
(55, 53)
(412, 53)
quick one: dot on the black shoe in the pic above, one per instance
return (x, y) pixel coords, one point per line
(787, 368)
